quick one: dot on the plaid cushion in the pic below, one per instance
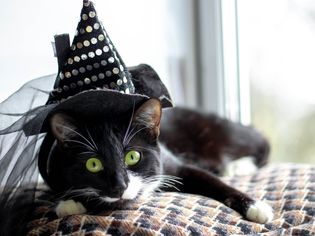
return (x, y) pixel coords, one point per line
(289, 189)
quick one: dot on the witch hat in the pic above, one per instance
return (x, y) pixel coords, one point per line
(93, 79)
(92, 62)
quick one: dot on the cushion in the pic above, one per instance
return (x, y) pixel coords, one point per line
(288, 188)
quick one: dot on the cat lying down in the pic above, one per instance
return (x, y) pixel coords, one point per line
(99, 162)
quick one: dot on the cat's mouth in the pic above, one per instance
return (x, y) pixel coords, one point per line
(131, 192)
(120, 199)
(110, 199)
(123, 198)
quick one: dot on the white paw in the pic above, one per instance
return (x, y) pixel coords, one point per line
(243, 166)
(69, 207)
(259, 212)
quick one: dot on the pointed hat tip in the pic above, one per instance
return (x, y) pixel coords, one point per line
(86, 3)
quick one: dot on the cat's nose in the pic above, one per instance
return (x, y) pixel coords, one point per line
(116, 193)
(119, 185)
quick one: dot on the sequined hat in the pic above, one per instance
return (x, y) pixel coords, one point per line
(92, 61)
(92, 77)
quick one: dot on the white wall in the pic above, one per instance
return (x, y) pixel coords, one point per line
(138, 28)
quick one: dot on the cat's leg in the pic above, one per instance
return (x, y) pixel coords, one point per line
(198, 181)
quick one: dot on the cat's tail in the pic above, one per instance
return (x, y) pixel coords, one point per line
(246, 141)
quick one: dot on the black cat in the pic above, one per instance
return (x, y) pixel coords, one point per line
(111, 161)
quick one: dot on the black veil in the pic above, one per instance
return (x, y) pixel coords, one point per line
(20, 115)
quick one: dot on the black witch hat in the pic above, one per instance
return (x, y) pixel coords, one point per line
(93, 79)
(92, 61)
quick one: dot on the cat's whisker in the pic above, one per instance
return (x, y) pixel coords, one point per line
(99, 202)
(134, 134)
(74, 131)
(128, 135)
(125, 143)
(88, 198)
(166, 178)
(94, 145)
(87, 152)
(167, 181)
(169, 186)
(85, 192)
(130, 121)
(79, 142)
(143, 148)
(65, 194)
(172, 181)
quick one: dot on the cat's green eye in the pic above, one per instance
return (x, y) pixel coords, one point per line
(94, 165)
(132, 158)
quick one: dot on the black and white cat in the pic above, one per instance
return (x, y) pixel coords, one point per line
(110, 161)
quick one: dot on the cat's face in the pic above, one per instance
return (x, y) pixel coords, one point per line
(112, 159)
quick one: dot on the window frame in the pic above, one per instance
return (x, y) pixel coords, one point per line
(219, 79)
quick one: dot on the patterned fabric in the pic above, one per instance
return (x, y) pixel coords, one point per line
(289, 189)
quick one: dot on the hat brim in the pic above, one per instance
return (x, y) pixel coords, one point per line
(102, 103)
(87, 105)
(91, 104)
(105, 103)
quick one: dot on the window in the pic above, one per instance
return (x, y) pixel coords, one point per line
(247, 60)
(277, 48)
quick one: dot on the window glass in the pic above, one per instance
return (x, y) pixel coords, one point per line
(278, 51)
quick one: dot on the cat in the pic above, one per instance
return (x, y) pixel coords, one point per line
(115, 160)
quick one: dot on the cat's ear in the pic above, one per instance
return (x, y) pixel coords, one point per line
(63, 127)
(149, 115)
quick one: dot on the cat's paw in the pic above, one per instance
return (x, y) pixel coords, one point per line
(243, 166)
(69, 207)
(259, 212)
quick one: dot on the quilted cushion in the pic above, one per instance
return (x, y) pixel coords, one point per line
(288, 188)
